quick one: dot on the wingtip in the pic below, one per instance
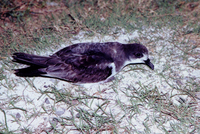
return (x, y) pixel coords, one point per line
(17, 55)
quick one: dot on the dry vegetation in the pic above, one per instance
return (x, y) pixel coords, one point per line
(24, 22)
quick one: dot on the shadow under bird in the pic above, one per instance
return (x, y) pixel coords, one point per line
(84, 62)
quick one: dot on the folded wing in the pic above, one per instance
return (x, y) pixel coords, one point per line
(90, 66)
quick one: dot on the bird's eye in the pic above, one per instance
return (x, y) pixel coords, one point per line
(138, 55)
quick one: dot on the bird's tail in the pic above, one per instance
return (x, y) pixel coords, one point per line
(36, 64)
(30, 59)
(31, 71)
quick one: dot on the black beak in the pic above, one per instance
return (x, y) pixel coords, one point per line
(149, 64)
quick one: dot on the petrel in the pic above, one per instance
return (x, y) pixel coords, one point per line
(84, 62)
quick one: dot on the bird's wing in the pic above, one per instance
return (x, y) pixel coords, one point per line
(90, 66)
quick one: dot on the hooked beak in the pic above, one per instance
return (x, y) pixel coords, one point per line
(149, 64)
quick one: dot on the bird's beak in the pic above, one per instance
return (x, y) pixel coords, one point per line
(149, 64)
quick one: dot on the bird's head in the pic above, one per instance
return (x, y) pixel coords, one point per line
(137, 54)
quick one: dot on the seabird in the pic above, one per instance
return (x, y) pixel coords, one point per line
(84, 62)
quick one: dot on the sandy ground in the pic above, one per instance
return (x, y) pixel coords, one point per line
(169, 61)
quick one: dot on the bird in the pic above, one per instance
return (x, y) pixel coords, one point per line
(83, 62)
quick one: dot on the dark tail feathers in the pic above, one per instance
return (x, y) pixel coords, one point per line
(35, 62)
(31, 71)
(30, 59)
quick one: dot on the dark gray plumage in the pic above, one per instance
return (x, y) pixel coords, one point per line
(84, 62)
